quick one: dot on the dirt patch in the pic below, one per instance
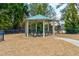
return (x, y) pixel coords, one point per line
(19, 44)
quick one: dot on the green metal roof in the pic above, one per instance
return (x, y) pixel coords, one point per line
(38, 17)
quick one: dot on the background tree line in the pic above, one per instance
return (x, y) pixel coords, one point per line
(12, 15)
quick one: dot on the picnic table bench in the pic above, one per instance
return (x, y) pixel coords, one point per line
(1, 36)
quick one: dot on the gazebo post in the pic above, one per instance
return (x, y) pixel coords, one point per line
(43, 28)
(53, 28)
(36, 28)
(27, 28)
(48, 27)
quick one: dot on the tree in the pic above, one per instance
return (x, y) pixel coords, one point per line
(5, 21)
(71, 19)
(17, 14)
(70, 15)
(37, 8)
(43, 9)
(13, 13)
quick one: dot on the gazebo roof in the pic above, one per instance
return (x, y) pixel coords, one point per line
(39, 17)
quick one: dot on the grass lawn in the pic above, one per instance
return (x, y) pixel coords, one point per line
(73, 36)
(19, 44)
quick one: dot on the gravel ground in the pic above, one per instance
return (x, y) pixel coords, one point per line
(20, 45)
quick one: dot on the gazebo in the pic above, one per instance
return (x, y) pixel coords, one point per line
(40, 18)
